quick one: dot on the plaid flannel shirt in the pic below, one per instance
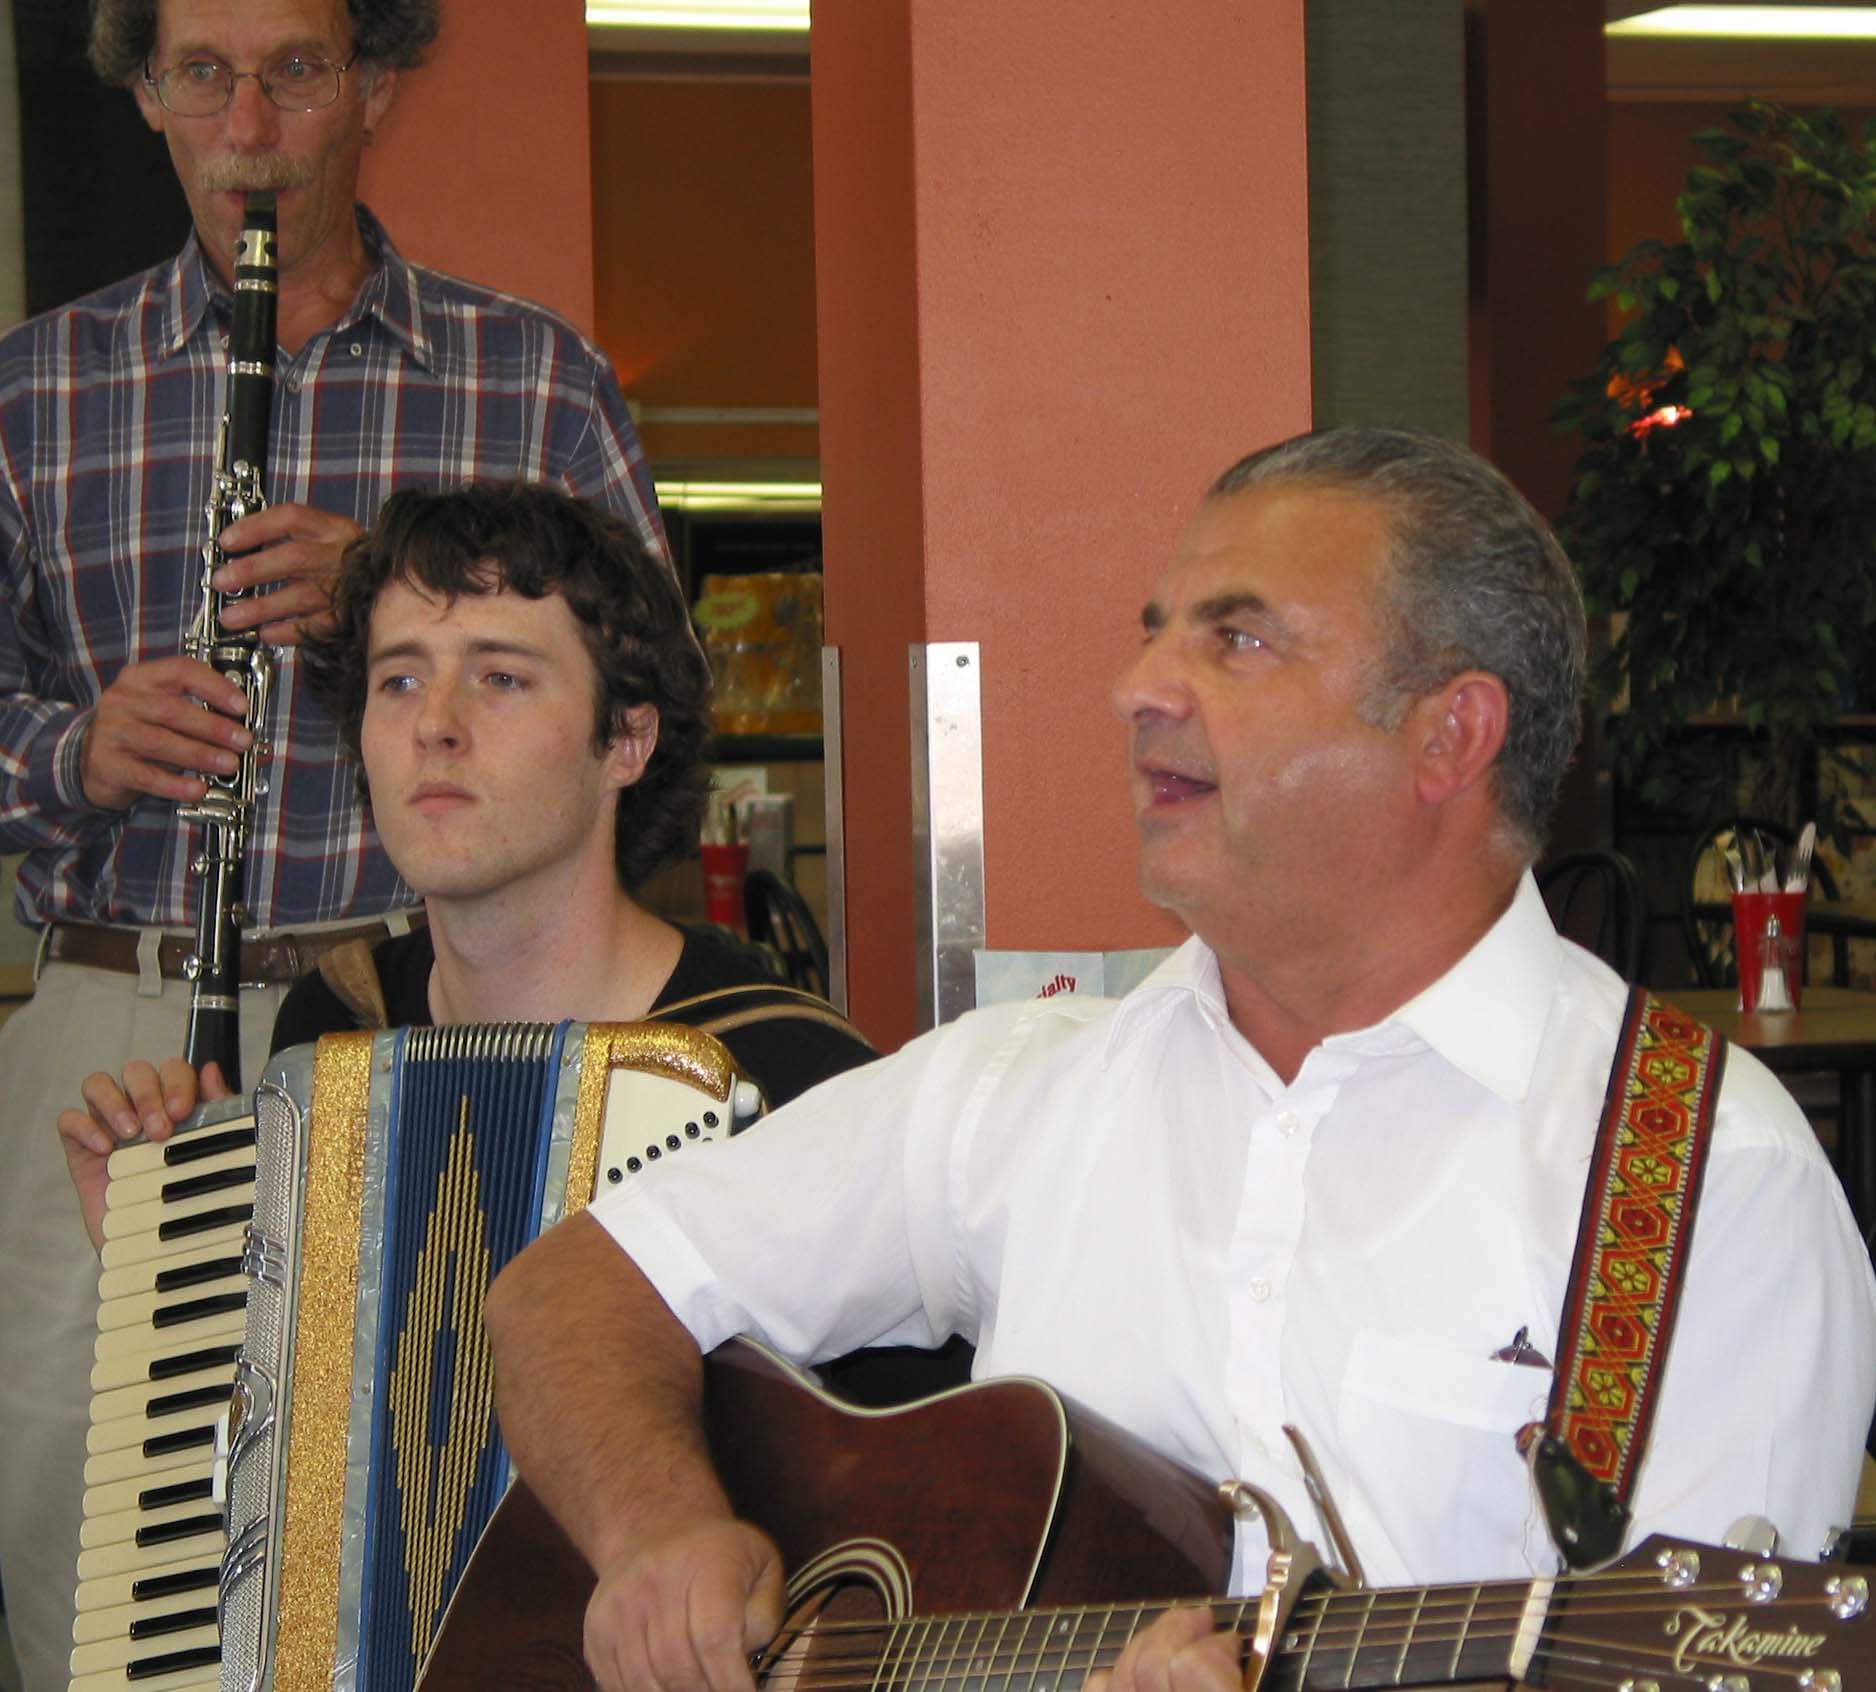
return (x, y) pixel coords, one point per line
(108, 414)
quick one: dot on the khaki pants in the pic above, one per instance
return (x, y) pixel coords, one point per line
(77, 1021)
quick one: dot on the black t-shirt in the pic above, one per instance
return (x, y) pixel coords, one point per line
(801, 1039)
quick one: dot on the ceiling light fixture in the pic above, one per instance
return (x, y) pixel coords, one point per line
(776, 15)
(1765, 23)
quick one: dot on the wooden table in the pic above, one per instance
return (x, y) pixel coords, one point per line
(1835, 1031)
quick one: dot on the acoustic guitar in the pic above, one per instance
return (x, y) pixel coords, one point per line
(997, 1538)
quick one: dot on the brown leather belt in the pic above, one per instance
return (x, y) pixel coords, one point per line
(266, 960)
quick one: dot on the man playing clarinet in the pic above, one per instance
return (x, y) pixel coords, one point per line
(386, 375)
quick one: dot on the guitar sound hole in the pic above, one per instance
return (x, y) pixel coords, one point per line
(834, 1636)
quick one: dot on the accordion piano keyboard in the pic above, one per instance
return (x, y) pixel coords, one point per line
(171, 1299)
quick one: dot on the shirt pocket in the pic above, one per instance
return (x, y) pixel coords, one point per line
(1429, 1434)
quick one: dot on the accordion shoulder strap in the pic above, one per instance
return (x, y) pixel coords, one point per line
(725, 1009)
(352, 974)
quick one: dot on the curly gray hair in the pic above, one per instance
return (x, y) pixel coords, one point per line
(395, 33)
(1477, 582)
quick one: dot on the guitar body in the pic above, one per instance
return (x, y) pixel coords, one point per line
(994, 1537)
(994, 1496)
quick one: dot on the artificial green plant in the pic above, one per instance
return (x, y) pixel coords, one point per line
(1724, 510)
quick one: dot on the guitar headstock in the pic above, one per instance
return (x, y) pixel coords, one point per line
(1672, 1615)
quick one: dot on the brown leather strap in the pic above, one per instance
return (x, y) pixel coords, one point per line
(266, 960)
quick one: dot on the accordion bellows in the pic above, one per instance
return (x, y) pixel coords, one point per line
(391, 1176)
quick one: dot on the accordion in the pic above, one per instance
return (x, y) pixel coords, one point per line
(292, 1439)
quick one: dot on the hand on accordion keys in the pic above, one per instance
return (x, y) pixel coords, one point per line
(149, 1101)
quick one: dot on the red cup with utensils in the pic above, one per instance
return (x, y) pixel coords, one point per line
(1768, 936)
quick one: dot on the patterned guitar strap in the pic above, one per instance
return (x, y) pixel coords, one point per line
(1625, 1280)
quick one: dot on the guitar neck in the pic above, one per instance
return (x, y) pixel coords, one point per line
(1401, 1636)
(1661, 1622)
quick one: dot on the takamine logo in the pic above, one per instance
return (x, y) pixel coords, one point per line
(1707, 1635)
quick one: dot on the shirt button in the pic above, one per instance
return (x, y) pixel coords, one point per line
(293, 384)
(358, 349)
(1287, 1123)
(1259, 1290)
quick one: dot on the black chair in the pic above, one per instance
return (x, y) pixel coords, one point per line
(778, 917)
(1596, 899)
(1707, 910)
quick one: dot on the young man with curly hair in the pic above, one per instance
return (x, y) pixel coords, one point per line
(516, 676)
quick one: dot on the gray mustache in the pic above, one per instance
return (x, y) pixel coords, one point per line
(267, 170)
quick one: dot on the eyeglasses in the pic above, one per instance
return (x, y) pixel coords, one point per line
(201, 87)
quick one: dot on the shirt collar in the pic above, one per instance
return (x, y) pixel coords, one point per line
(1485, 1016)
(192, 289)
(1189, 977)
(390, 293)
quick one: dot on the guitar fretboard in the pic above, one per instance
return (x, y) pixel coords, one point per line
(1591, 1631)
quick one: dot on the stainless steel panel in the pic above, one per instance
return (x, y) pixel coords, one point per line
(947, 825)
(833, 776)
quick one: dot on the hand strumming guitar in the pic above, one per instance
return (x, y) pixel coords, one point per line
(686, 1611)
(599, 1388)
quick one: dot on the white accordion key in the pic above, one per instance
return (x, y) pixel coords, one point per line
(116, 1620)
(122, 1527)
(159, 1320)
(142, 1248)
(140, 1275)
(159, 1213)
(124, 1494)
(231, 1169)
(125, 1431)
(167, 1585)
(172, 1351)
(207, 1387)
(118, 1680)
(100, 1560)
(103, 1655)
(126, 1462)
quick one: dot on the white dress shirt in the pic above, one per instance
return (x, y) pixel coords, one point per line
(1123, 1199)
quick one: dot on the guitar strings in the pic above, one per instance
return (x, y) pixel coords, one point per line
(1475, 1616)
(922, 1641)
(940, 1667)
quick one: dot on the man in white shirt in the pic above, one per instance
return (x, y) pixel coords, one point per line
(1325, 1167)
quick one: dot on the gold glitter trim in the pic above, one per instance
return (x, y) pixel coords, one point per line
(307, 1547)
(668, 1048)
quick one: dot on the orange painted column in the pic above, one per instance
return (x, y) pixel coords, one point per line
(1062, 262)
(484, 166)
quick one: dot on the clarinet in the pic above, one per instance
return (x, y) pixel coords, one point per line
(227, 809)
